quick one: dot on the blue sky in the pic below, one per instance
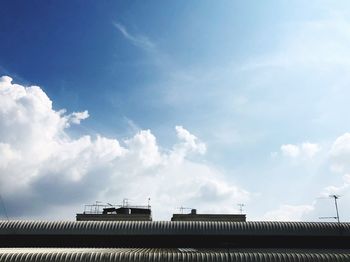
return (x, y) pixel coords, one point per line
(263, 84)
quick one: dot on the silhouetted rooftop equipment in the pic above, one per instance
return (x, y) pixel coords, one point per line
(110, 212)
(203, 237)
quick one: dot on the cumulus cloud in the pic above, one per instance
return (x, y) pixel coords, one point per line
(76, 117)
(8, 155)
(143, 146)
(338, 159)
(305, 150)
(340, 154)
(324, 207)
(338, 190)
(290, 150)
(309, 149)
(321, 208)
(189, 143)
(42, 168)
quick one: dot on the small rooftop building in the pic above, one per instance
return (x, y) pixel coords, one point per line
(193, 216)
(98, 212)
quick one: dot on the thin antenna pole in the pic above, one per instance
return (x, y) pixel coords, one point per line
(125, 202)
(336, 206)
(241, 208)
(3, 205)
(183, 208)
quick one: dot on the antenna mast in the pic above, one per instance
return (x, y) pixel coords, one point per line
(336, 205)
(336, 197)
(125, 202)
(241, 205)
(183, 208)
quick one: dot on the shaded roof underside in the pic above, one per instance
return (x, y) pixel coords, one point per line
(174, 254)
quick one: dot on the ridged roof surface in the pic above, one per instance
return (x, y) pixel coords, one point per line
(144, 254)
(173, 228)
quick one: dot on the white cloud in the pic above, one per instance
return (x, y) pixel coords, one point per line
(339, 159)
(290, 150)
(324, 207)
(143, 146)
(76, 117)
(321, 209)
(8, 155)
(288, 213)
(42, 168)
(305, 150)
(338, 190)
(309, 149)
(189, 143)
(137, 40)
(340, 154)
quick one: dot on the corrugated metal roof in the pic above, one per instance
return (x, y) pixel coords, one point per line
(173, 228)
(144, 254)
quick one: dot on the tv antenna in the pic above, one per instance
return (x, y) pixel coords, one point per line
(184, 208)
(336, 197)
(97, 206)
(241, 205)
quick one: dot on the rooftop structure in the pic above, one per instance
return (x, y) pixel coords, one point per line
(109, 212)
(193, 216)
(185, 240)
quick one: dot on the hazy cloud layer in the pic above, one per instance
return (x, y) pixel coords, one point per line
(288, 213)
(43, 168)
